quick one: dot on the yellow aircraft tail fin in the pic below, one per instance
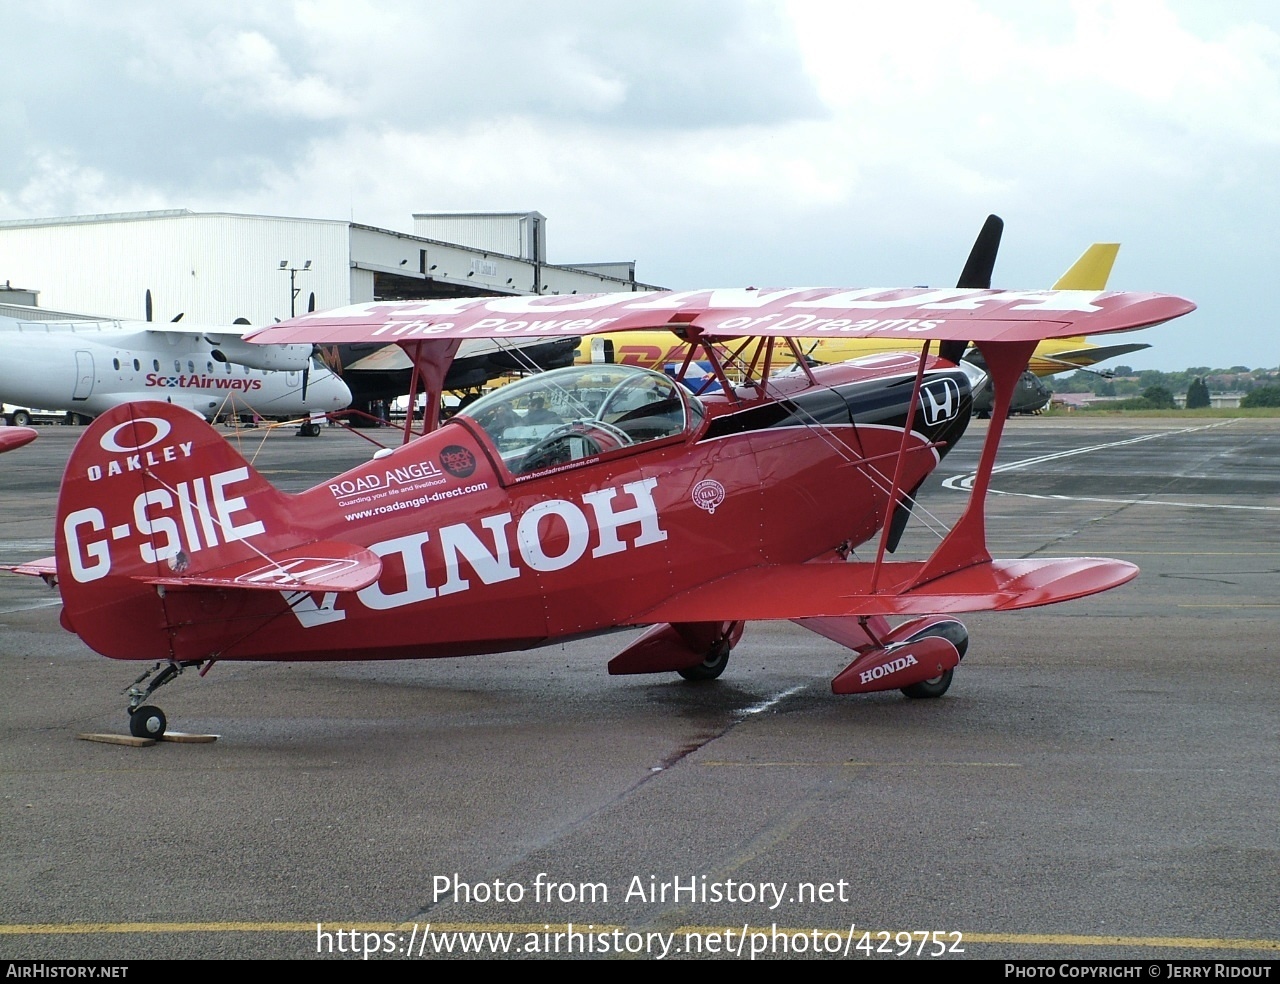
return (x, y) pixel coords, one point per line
(1092, 270)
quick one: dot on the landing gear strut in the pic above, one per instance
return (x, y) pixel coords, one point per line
(146, 720)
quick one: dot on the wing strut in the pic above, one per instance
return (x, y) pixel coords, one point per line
(431, 359)
(966, 544)
(892, 503)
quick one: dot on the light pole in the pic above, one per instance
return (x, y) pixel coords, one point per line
(293, 288)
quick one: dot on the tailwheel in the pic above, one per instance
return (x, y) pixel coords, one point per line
(933, 687)
(147, 722)
(711, 667)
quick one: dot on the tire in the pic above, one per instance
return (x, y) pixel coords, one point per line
(20, 418)
(958, 636)
(711, 667)
(930, 688)
(147, 722)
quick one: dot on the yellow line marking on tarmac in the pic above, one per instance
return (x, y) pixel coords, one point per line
(1199, 553)
(1064, 939)
(1030, 939)
(329, 926)
(895, 765)
(1027, 939)
(1227, 605)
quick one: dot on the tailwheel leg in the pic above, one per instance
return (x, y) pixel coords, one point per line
(146, 720)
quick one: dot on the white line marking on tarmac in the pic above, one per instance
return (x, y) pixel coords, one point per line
(764, 705)
(964, 483)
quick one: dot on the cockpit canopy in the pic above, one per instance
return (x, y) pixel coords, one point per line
(559, 417)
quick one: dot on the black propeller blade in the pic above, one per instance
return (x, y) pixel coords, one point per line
(977, 274)
(150, 311)
(982, 258)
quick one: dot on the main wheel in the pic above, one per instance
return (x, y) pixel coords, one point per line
(147, 722)
(712, 666)
(956, 634)
(935, 687)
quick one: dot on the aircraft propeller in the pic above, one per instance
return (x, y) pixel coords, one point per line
(977, 274)
(177, 317)
(315, 349)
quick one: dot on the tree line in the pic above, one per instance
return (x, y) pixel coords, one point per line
(1153, 389)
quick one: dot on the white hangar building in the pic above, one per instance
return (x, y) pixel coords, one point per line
(216, 267)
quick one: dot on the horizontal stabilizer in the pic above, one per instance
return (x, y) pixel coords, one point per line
(45, 567)
(790, 591)
(327, 565)
(1095, 353)
(15, 437)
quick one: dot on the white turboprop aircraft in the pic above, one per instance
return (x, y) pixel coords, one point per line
(86, 367)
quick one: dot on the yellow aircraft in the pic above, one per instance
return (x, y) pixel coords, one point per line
(656, 349)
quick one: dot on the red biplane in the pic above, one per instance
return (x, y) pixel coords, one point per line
(589, 498)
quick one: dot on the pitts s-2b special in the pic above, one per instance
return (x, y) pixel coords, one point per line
(590, 498)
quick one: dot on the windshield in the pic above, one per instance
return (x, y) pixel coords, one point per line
(569, 414)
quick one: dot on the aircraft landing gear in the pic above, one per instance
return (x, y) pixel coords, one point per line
(934, 687)
(955, 633)
(146, 720)
(718, 638)
(711, 667)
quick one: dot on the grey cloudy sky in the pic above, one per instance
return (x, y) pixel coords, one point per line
(717, 143)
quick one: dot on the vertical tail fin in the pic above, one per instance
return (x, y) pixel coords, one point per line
(150, 490)
(1092, 270)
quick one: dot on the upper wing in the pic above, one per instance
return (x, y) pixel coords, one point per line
(392, 358)
(911, 316)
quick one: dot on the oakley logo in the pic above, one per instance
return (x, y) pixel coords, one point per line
(137, 441)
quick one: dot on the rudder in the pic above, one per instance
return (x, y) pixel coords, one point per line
(150, 490)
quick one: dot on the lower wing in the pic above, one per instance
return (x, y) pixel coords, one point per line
(790, 591)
